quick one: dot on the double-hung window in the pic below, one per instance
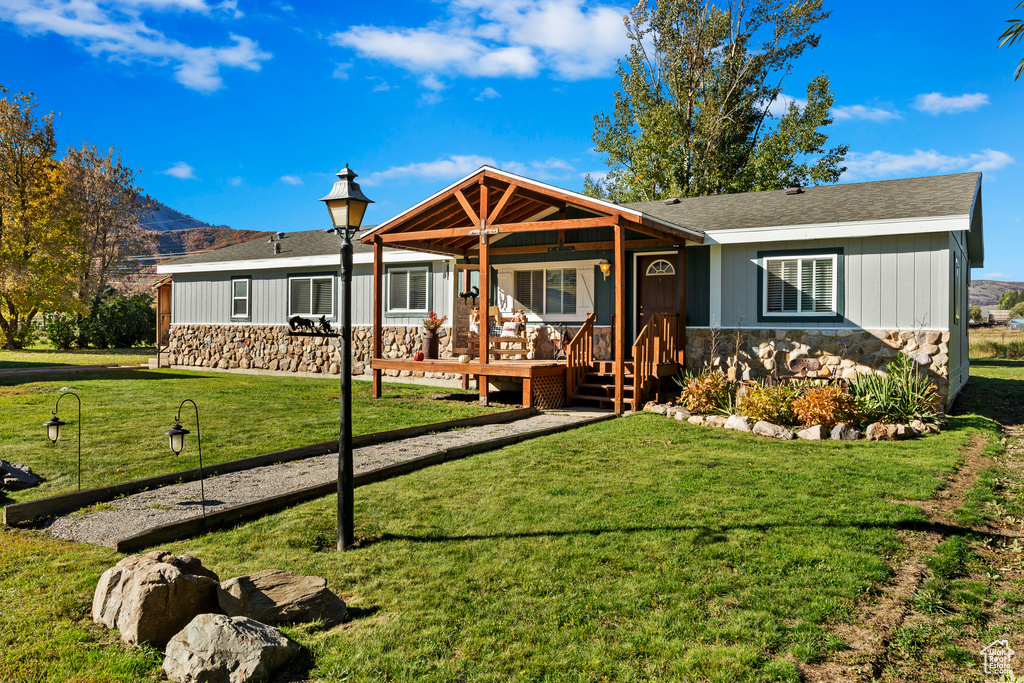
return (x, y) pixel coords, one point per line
(408, 290)
(240, 287)
(311, 295)
(801, 285)
(551, 291)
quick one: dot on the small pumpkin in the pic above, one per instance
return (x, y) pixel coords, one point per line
(463, 358)
(418, 355)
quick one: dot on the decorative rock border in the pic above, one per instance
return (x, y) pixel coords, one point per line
(876, 431)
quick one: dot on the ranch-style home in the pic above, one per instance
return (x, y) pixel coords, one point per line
(615, 297)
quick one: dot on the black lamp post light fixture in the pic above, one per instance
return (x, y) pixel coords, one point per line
(346, 204)
(176, 440)
(54, 424)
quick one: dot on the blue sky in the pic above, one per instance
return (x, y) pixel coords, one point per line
(239, 112)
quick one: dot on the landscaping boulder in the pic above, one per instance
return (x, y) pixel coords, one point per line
(656, 408)
(773, 431)
(740, 423)
(814, 433)
(214, 648)
(276, 597)
(696, 420)
(844, 432)
(715, 421)
(876, 431)
(17, 477)
(683, 415)
(150, 597)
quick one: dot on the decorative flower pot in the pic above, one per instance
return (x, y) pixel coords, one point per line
(429, 344)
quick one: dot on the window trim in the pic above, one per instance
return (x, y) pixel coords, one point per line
(838, 286)
(670, 271)
(312, 276)
(957, 287)
(586, 284)
(247, 316)
(391, 269)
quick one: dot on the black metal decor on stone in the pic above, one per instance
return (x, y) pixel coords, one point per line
(321, 328)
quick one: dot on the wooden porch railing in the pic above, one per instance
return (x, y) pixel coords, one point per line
(579, 356)
(657, 343)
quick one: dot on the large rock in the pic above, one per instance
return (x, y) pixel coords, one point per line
(844, 432)
(214, 648)
(714, 421)
(17, 477)
(773, 431)
(740, 423)
(876, 431)
(814, 433)
(276, 597)
(150, 597)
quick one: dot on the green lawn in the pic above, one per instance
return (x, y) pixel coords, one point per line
(125, 415)
(43, 356)
(635, 549)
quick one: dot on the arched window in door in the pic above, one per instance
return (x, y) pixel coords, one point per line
(661, 267)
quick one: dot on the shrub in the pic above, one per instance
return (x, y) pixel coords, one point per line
(121, 322)
(708, 392)
(900, 395)
(826, 406)
(770, 403)
(61, 330)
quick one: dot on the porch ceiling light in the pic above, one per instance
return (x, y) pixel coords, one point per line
(346, 203)
(176, 437)
(53, 426)
(605, 267)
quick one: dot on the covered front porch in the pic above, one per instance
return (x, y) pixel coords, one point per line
(560, 259)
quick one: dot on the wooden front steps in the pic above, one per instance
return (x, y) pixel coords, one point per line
(598, 386)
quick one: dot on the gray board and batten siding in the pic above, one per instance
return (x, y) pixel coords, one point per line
(889, 282)
(205, 298)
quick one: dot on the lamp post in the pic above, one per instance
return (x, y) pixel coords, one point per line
(176, 440)
(346, 204)
(54, 424)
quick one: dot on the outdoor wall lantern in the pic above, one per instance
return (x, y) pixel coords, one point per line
(605, 267)
(54, 424)
(346, 204)
(176, 440)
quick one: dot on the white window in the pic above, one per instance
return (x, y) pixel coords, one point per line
(313, 295)
(661, 267)
(549, 292)
(800, 285)
(407, 290)
(240, 297)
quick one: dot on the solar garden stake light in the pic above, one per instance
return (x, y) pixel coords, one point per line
(54, 424)
(346, 204)
(176, 440)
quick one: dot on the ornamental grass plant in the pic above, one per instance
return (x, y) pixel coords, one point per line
(900, 395)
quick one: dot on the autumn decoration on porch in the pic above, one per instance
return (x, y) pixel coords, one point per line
(431, 324)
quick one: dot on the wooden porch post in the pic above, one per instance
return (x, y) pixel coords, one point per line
(681, 327)
(378, 309)
(485, 298)
(620, 314)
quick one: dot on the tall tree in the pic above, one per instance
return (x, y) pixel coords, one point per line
(693, 115)
(1013, 33)
(108, 207)
(38, 236)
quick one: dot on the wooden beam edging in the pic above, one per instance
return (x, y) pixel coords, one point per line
(19, 513)
(223, 519)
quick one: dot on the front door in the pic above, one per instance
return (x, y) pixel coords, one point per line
(657, 285)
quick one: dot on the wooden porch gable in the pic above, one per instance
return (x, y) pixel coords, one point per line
(463, 219)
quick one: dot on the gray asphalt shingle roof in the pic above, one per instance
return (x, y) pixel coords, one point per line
(945, 195)
(293, 245)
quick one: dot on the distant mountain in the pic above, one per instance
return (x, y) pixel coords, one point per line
(987, 292)
(180, 233)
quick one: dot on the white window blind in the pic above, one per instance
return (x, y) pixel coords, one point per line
(311, 296)
(800, 285)
(407, 289)
(529, 290)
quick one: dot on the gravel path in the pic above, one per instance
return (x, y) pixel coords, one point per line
(125, 517)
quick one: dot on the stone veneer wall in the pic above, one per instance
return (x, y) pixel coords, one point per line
(844, 353)
(271, 347)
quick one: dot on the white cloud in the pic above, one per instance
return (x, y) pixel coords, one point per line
(937, 103)
(490, 38)
(181, 171)
(341, 71)
(380, 85)
(235, 181)
(432, 82)
(114, 28)
(488, 93)
(998, 276)
(291, 180)
(880, 164)
(859, 111)
(780, 105)
(455, 166)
